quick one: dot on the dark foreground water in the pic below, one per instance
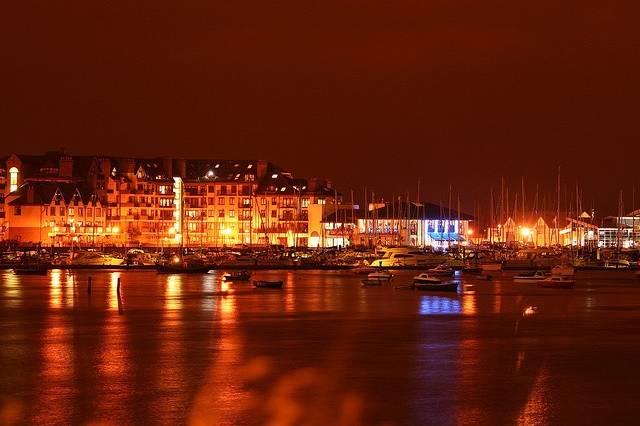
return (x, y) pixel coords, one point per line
(322, 351)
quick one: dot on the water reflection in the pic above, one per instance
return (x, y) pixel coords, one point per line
(208, 302)
(173, 293)
(12, 294)
(112, 291)
(55, 289)
(430, 305)
(57, 368)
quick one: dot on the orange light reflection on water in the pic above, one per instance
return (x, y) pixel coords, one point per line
(57, 371)
(12, 290)
(55, 289)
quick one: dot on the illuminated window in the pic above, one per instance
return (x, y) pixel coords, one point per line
(221, 213)
(221, 201)
(232, 213)
(13, 179)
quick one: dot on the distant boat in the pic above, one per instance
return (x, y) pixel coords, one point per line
(450, 286)
(237, 276)
(92, 258)
(267, 284)
(363, 270)
(491, 266)
(557, 281)
(442, 270)
(31, 269)
(425, 278)
(380, 276)
(367, 282)
(530, 277)
(563, 271)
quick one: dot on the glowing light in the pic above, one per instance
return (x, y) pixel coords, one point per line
(525, 232)
(176, 259)
(115, 229)
(530, 310)
(171, 230)
(13, 179)
(469, 231)
(226, 231)
(274, 176)
(210, 173)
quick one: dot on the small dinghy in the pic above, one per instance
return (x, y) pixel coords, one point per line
(443, 270)
(557, 281)
(267, 284)
(367, 282)
(237, 276)
(529, 277)
(425, 278)
(380, 276)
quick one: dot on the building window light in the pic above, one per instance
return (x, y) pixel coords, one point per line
(13, 179)
(274, 176)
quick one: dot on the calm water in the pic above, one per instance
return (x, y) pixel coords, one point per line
(322, 351)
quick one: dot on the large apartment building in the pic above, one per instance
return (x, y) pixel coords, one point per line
(59, 199)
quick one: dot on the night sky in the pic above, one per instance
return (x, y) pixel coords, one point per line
(361, 92)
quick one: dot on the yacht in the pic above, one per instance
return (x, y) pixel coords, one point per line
(380, 276)
(92, 258)
(407, 256)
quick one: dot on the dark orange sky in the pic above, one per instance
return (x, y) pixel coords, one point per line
(362, 92)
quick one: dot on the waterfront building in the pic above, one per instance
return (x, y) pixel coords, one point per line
(57, 199)
(412, 224)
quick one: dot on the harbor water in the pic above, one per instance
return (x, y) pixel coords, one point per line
(193, 349)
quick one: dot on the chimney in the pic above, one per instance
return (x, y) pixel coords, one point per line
(167, 165)
(261, 169)
(65, 166)
(180, 167)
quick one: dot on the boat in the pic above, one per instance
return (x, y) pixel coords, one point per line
(557, 281)
(363, 270)
(92, 258)
(407, 256)
(237, 276)
(425, 278)
(616, 264)
(380, 276)
(491, 266)
(31, 269)
(530, 276)
(267, 284)
(441, 270)
(450, 286)
(563, 271)
(367, 282)
(169, 268)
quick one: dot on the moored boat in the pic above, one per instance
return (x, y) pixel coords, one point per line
(380, 276)
(267, 284)
(426, 278)
(367, 282)
(31, 269)
(530, 277)
(237, 276)
(557, 281)
(442, 270)
(491, 266)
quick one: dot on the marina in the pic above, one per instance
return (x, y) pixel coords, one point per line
(145, 347)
